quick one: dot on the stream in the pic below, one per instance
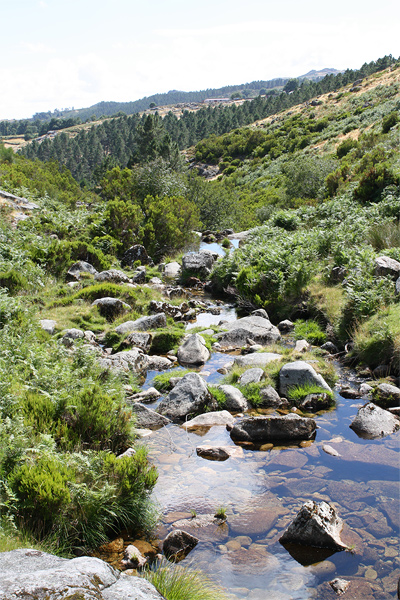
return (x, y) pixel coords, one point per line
(262, 492)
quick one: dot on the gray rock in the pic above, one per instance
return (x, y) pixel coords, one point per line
(135, 253)
(198, 263)
(329, 347)
(172, 269)
(234, 399)
(133, 558)
(218, 453)
(178, 544)
(148, 418)
(397, 287)
(155, 281)
(112, 276)
(73, 334)
(384, 265)
(146, 396)
(299, 373)
(302, 346)
(251, 376)
(139, 339)
(387, 393)
(128, 453)
(74, 272)
(37, 575)
(329, 450)
(254, 348)
(48, 325)
(260, 312)
(285, 326)
(189, 396)
(365, 389)
(339, 585)
(193, 351)
(110, 308)
(315, 525)
(346, 391)
(139, 277)
(143, 324)
(269, 428)
(258, 359)
(374, 422)
(210, 419)
(257, 328)
(316, 402)
(270, 397)
(156, 363)
(132, 360)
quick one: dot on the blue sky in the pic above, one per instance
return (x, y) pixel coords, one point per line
(59, 54)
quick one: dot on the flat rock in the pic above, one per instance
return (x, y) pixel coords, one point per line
(374, 422)
(210, 419)
(315, 525)
(48, 325)
(299, 373)
(139, 339)
(147, 417)
(254, 375)
(188, 397)
(234, 399)
(143, 324)
(206, 527)
(260, 359)
(112, 276)
(193, 351)
(384, 265)
(257, 521)
(273, 428)
(260, 330)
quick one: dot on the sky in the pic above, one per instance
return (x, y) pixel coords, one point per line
(75, 53)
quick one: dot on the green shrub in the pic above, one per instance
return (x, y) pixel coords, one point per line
(310, 331)
(285, 219)
(60, 255)
(373, 182)
(377, 339)
(38, 411)
(389, 121)
(218, 395)
(13, 281)
(345, 147)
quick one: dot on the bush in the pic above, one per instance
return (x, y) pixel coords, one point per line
(377, 339)
(373, 182)
(165, 340)
(59, 256)
(345, 147)
(297, 393)
(389, 121)
(286, 219)
(13, 281)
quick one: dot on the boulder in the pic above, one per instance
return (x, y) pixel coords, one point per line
(285, 326)
(260, 330)
(299, 373)
(374, 422)
(260, 312)
(147, 418)
(316, 402)
(193, 351)
(143, 324)
(254, 375)
(270, 397)
(156, 363)
(189, 397)
(315, 525)
(146, 396)
(178, 544)
(172, 270)
(112, 276)
(260, 359)
(234, 399)
(384, 265)
(48, 325)
(32, 574)
(110, 308)
(210, 419)
(387, 394)
(302, 346)
(139, 277)
(198, 263)
(135, 253)
(329, 347)
(139, 339)
(262, 429)
(75, 270)
(133, 558)
(132, 360)
(70, 335)
(397, 286)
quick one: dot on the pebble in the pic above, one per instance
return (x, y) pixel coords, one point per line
(329, 450)
(370, 573)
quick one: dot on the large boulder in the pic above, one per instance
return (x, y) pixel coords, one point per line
(132, 360)
(110, 308)
(193, 351)
(148, 418)
(189, 397)
(143, 324)
(139, 339)
(374, 422)
(198, 263)
(260, 330)
(75, 270)
(32, 574)
(271, 428)
(234, 399)
(135, 253)
(112, 276)
(315, 525)
(172, 270)
(384, 265)
(299, 373)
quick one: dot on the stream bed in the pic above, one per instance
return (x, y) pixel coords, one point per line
(262, 492)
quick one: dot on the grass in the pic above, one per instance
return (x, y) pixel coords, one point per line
(326, 301)
(162, 381)
(310, 331)
(297, 393)
(175, 582)
(218, 394)
(220, 513)
(377, 340)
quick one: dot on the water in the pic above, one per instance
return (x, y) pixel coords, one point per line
(263, 491)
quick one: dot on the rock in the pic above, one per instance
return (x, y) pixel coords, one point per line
(133, 558)
(387, 394)
(112, 276)
(110, 308)
(70, 335)
(156, 363)
(302, 346)
(373, 422)
(254, 375)
(155, 281)
(257, 328)
(315, 525)
(260, 312)
(48, 325)
(193, 351)
(316, 402)
(139, 277)
(384, 265)
(198, 264)
(381, 371)
(206, 527)
(329, 450)
(348, 392)
(132, 360)
(145, 396)
(210, 419)
(258, 359)
(254, 348)
(212, 452)
(365, 389)
(34, 574)
(299, 373)
(270, 397)
(234, 399)
(148, 418)
(269, 428)
(337, 274)
(329, 347)
(143, 324)
(178, 544)
(74, 272)
(285, 326)
(189, 396)
(139, 339)
(397, 291)
(172, 270)
(339, 585)
(135, 253)
(128, 453)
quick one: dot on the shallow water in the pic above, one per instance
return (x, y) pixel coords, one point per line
(262, 492)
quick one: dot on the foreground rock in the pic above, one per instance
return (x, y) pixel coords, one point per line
(384, 265)
(254, 375)
(258, 359)
(193, 351)
(299, 373)
(178, 544)
(188, 397)
(374, 422)
(234, 399)
(210, 419)
(259, 430)
(143, 324)
(35, 575)
(148, 418)
(315, 525)
(198, 263)
(260, 330)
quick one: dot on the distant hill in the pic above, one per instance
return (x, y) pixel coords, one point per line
(320, 74)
